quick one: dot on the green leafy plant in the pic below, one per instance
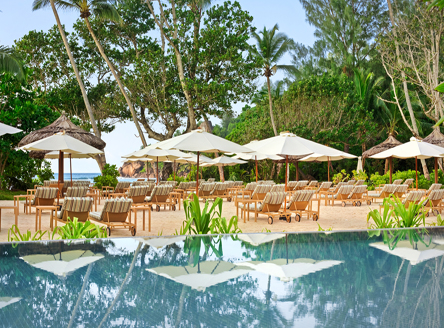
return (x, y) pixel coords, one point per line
(321, 229)
(361, 175)
(108, 177)
(208, 220)
(340, 177)
(15, 235)
(413, 216)
(384, 221)
(74, 229)
(439, 222)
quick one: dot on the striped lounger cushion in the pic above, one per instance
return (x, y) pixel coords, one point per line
(75, 204)
(117, 205)
(76, 192)
(46, 193)
(135, 191)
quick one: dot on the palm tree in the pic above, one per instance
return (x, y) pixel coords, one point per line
(103, 10)
(271, 46)
(11, 63)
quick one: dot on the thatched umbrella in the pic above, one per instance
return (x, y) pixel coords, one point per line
(435, 138)
(59, 125)
(389, 143)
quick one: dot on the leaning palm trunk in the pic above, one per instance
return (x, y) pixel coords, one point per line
(101, 160)
(406, 91)
(119, 82)
(270, 102)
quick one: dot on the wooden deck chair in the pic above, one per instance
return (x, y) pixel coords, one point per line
(172, 183)
(270, 206)
(220, 190)
(211, 180)
(356, 196)
(291, 184)
(359, 183)
(161, 196)
(150, 187)
(408, 182)
(259, 193)
(434, 202)
(141, 179)
(434, 186)
(301, 185)
(246, 192)
(351, 182)
(330, 192)
(114, 215)
(301, 202)
(342, 195)
(397, 182)
(278, 188)
(385, 192)
(119, 189)
(412, 197)
(138, 194)
(44, 197)
(325, 186)
(76, 192)
(313, 185)
(401, 190)
(75, 207)
(206, 188)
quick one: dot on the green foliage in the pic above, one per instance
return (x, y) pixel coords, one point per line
(108, 177)
(341, 177)
(9, 195)
(376, 179)
(384, 221)
(11, 63)
(321, 229)
(439, 222)
(361, 175)
(208, 220)
(80, 230)
(15, 235)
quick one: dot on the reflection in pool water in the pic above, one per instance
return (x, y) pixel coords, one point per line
(258, 280)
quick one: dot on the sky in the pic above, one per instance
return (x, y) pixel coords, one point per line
(17, 19)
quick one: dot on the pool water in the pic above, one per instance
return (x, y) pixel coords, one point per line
(341, 279)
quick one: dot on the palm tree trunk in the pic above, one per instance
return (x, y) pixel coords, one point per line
(270, 102)
(100, 158)
(406, 91)
(119, 82)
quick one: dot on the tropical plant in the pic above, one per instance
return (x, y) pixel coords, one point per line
(439, 222)
(413, 216)
(15, 235)
(381, 221)
(108, 177)
(74, 229)
(208, 220)
(102, 10)
(341, 177)
(361, 175)
(38, 4)
(271, 47)
(11, 63)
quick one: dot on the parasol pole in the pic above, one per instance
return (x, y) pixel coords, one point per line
(197, 175)
(157, 169)
(286, 167)
(297, 170)
(223, 177)
(436, 170)
(416, 169)
(255, 159)
(146, 170)
(60, 180)
(391, 168)
(328, 168)
(70, 166)
(174, 169)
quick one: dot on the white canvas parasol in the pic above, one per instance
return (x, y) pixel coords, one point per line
(5, 301)
(7, 129)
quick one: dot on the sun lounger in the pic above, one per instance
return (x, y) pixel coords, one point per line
(301, 203)
(300, 185)
(259, 193)
(434, 202)
(75, 207)
(161, 196)
(412, 197)
(350, 182)
(386, 191)
(44, 197)
(114, 215)
(138, 194)
(341, 195)
(313, 185)
(434, 186)
(330, 192)
(278, 188)
(408, 182)
(400, 191)
(76, 191)
(270, 206)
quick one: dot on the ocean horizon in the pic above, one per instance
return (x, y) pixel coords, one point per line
(86, 176)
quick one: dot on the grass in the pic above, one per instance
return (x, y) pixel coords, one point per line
(9, 195)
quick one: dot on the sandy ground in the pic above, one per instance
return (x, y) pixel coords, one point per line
(166, 222)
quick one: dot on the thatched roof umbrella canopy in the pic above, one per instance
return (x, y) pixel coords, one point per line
(435, 138)
(389, 143)
(59, 125)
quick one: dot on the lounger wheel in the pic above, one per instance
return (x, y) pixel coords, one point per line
(158, 208)
(229, 199)
(173, 207)
(133, 231)
(358, 203)
(354, 203)
(343, 204)
(297, 218)
(427, 214)
(288, 218)
(108, 231)
(315, 217)
(436, 212)
(270, 220)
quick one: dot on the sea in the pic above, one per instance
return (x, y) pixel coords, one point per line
(87, 176)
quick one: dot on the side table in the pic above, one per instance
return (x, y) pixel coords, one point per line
(16, 210)
(38, 215)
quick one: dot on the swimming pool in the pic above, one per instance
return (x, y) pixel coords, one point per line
(340, 279)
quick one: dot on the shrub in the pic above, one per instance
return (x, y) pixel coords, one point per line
(108, 177)
(361, 175)
(340, 177)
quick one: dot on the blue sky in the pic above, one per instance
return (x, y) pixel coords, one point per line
(17, 18)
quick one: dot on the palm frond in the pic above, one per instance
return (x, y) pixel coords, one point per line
(103, 10)
(11, 63)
